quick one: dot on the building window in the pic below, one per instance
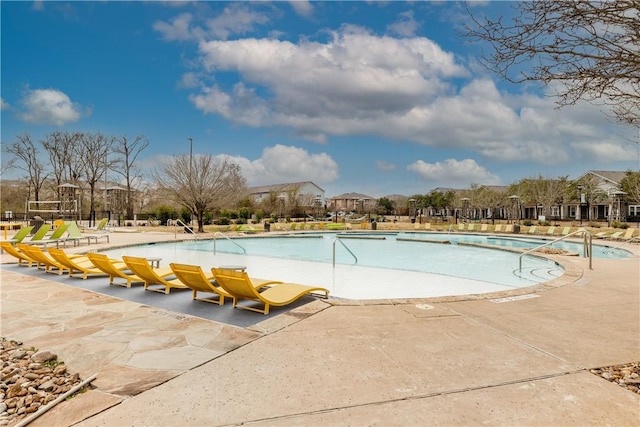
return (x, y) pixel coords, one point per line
(634, 210)
(555, 211)
(572, 211)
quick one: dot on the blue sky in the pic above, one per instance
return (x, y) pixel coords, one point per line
(377, 98)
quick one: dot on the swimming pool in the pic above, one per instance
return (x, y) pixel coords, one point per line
(374, 266)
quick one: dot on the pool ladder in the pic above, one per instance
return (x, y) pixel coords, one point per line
(187, 228)
(587, 242)
(219, 234)
(337, 239)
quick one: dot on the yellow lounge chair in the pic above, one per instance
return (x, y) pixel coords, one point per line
(141, 268)
(43, 259)
(628, 235)
(82, 265)
(22, 257)
(471, 227)
(239, 286)
(484, 227)
(508, 228)
(498, 228)
(551, 230)
(110, 267)
(532, 229)
(565, 231)
(194, 278)
(615, 235)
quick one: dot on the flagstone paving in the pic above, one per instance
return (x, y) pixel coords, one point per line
(456, 362)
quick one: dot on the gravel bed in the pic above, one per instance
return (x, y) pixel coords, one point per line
(627, 376)
(29, 379)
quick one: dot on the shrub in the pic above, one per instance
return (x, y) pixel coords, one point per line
(165, 213)
(527, 222)
(241, 221)
(222, 221)
(594, 224)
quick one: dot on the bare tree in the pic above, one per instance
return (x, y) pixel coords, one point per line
(202, 184)
(630, 184)
(26, 158)
(63, 158)
(129, 150)
(590, 47)
(543, 192)
(93, 150)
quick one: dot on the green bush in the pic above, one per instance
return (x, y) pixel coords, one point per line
(244, 213)
(241, 221)
(593, 224)
(165, 213)
(222, 221)
(527, 222)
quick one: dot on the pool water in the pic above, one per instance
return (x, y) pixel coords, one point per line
(394, 265)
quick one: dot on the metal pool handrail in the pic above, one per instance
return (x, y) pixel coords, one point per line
(588, 247)
(337, 239)
(217, 233)
(185, 226)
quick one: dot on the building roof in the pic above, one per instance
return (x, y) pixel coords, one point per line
(351, 196)
(280, 188)
(615, 177)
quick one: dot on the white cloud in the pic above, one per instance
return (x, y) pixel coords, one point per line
(405, 26)
(385, 166)
(451, 172)
(4, 105)
(177, 29)
(401, 89)
(49, 106)
(302, 7)
(280, 163)
(235, 19)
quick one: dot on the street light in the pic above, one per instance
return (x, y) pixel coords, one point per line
(190, 157)
(581, 200)
(412, 206)
(465, 207)
(515, 205)
(281, 203)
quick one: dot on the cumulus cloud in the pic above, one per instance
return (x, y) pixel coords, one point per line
(385, 166)
(282, 163)
(49, 106)
(405, 26)
(302, 7)
(452, 172)
(177, 29)
(357, 83)
(235, 19)
(4, 105)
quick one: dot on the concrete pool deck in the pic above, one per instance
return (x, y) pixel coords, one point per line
(521, 361)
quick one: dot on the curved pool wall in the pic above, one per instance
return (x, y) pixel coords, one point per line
(397, 265)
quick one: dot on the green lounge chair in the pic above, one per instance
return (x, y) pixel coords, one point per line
(20, 235)
(75, 235)
(55, 237)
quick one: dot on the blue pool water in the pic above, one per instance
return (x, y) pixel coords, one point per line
(394, 265)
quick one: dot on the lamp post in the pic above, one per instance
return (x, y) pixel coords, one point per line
(580, 201)
(317, 205)
(412, 206)
(190, 157)
(515, 206)
(465, 207)
(281, 205)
